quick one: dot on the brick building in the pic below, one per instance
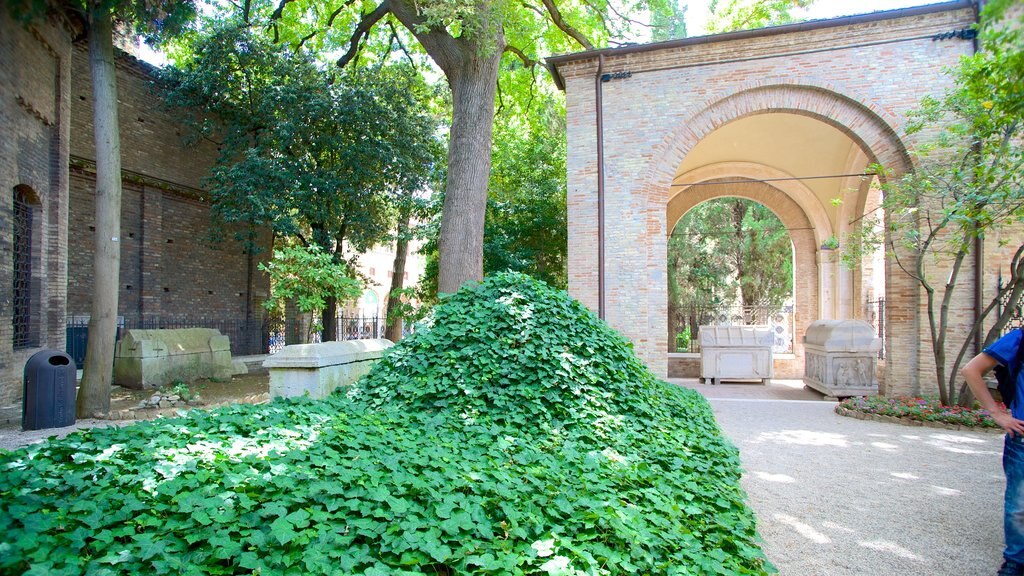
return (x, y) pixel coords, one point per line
(792, 117)
(172, 269)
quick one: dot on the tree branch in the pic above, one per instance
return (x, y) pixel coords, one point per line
(556, 18)
(363, 30)
(398, 39)
(527, 61)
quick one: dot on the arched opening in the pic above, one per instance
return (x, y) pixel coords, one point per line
(26, 286)
(730, 262)
(815, 175)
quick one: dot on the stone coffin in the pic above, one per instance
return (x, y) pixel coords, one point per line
(319, 369)
(736, 353)
(840, 358)
(154, 358)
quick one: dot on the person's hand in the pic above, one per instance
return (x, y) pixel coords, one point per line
(1007, 422)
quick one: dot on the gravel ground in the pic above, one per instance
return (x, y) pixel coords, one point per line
(12, 436)
(835, 495)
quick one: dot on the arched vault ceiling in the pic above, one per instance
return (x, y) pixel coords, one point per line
(797, 145)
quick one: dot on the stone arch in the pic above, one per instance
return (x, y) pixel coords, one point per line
(862, 120)
(802, 236)
(865, 122)
(797, 191)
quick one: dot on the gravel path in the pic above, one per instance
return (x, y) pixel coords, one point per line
(835, 495)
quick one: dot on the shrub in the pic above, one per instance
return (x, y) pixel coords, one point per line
(515, 434)
(925, 409)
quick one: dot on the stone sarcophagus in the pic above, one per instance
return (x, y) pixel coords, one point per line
(736, 353)
(319, 369)
(154, 358)
(840, 358)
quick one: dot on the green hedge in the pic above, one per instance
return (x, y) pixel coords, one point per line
(516, 435)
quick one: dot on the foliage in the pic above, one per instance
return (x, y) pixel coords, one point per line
(927, 409)
(746, 14)
(181, 389)
(683, 339)
(517, 435)
(310, 276)
(316, 156)
(967, 183)
(727, 249)
(525, 228)
(155, 20)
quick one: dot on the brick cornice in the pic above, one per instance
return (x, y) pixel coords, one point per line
(832, 34)
(87, 166)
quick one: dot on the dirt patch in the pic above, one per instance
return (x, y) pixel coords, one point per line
(244, 389)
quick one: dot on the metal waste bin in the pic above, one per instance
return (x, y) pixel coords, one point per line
(49, 395)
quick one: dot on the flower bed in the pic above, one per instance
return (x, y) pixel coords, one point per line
(926, 410)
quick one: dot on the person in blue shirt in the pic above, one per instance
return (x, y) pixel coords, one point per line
(1004, 352)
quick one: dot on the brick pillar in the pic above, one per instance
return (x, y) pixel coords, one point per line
(151, 254)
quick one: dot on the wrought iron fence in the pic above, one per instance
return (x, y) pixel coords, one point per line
(687, 322)
(347, 328)
(1016, 314)
(247, 337)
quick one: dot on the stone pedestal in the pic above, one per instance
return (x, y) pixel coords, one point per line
(154, 358)
(318, 369)
(736, 353)
(840, 358)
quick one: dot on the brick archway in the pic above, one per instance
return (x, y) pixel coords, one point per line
(859, 119)
(806, 289)
(865, 126)
(637, 116)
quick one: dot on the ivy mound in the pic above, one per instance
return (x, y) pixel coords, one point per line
(516, 435)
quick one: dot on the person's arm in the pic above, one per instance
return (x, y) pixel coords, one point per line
(974, 373)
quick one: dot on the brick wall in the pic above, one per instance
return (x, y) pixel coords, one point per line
(33, 155)
(859, 75)
(172, 265)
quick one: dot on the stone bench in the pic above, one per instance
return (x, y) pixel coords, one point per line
(317, 370)
(155, 358)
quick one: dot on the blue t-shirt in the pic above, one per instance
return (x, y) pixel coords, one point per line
(1004, 351)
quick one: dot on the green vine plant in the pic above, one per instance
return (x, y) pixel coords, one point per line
(309, 276)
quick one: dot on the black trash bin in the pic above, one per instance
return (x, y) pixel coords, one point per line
(49, 395)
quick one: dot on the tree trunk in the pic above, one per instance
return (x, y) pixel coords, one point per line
(329, 319)
(94, 394)
(393, 330)
(461, 245)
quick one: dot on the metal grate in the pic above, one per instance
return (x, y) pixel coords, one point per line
(1016, 308)
(24, 333)
(689, 320)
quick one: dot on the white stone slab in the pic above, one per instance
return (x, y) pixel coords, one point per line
(736, 353)
(317, 370)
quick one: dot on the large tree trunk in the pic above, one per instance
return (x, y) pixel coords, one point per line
(94, 394)
(329, 318)
(470, 63)
(393, 330)
(461, 245)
